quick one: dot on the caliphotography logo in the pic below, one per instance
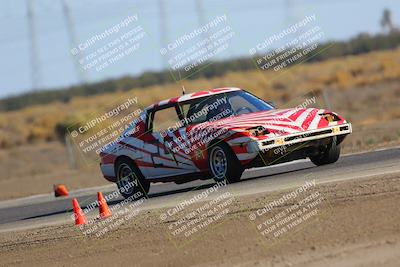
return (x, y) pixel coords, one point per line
(282, 217)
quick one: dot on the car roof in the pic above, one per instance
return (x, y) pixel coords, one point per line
(187, 97)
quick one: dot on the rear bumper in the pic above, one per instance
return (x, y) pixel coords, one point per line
(287, 140)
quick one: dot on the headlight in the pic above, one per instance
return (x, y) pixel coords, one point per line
(330, 117)
(258, 130)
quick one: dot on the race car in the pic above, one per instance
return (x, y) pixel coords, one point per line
(217, 134)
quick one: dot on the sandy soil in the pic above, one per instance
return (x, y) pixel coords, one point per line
(357, 224)
(34, 169)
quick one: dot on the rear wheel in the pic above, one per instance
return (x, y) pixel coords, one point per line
(130, 180)
(329, 155)
(223, 164)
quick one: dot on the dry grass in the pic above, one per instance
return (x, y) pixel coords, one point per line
(36, 124)
(365, 89)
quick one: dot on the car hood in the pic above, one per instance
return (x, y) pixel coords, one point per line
(277, 121)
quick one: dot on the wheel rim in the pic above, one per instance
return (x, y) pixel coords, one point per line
(126, 178)
(218, 162)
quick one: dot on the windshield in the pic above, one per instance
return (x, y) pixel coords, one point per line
(221, 106)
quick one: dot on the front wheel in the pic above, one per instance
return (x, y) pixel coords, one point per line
(130, 180)
(223, 163)
(330, 155)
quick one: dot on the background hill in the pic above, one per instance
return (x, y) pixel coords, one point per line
(363, 43)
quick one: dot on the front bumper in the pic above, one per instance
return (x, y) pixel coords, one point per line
(301, 137)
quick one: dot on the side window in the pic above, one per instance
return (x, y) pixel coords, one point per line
(195, 112)
(165, 119)
(205, 109)
(241, 104)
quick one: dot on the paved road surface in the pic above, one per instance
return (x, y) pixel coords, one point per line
(42, 210)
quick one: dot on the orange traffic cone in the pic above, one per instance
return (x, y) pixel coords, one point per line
(104, 211)
(60, 190)
(79, 215)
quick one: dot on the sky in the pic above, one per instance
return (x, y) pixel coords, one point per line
(251, 21)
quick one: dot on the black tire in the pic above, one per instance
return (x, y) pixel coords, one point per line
(127, 173)
(329, 156)
(233, 170)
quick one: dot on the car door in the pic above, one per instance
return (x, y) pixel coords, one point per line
(165, 143)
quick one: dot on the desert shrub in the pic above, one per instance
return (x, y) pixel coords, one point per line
(65, 126)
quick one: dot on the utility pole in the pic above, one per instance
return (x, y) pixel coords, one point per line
(81, 75)
(200, 16)
(289, 11)
(200, 12)
(163, 30)
(34, 62)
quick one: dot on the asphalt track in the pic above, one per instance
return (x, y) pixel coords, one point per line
(46, 210)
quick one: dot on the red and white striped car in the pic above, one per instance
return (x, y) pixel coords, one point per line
(217, 134)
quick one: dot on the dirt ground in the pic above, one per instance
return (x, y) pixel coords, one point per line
(34, 169)
(357, 224)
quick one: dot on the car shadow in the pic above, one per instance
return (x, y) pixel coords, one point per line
(211, 183)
